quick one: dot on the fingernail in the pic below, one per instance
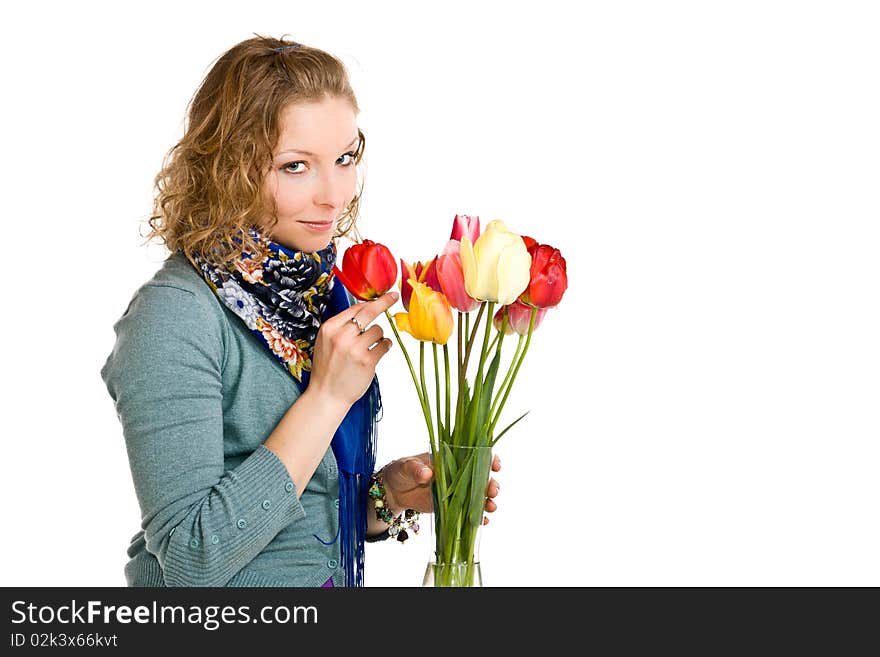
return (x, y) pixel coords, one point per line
(394, 295)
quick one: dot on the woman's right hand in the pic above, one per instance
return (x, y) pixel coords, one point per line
(343, 364)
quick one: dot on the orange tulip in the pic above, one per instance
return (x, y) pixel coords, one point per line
(368, 270)
(429, 318)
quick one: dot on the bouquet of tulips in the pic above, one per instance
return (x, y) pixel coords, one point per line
(508, 281)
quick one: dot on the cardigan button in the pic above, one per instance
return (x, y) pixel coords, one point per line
(215, 539)
(194, 543)
(288, 486)
(332, 563)
(242, 523)
(336, 503)
(266, 504)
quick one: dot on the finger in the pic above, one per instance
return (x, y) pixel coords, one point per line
(491, 506)
(356, 309)
(371, 336)
(381, 348)
(493, 488)
(419, 471)
(496, 463)
(485, 520)
(372, 309)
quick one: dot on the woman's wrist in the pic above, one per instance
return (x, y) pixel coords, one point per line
(326, 403)
(397, 521)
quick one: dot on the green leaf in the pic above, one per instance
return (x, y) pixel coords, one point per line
(486, 392)
(479, 482)
(509, 426)
(459, 490)
(450, 466)
(461, 412)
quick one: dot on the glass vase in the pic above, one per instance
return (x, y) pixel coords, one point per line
(461, 477)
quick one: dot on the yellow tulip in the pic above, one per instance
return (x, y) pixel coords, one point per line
(496, 267)
(430, 316)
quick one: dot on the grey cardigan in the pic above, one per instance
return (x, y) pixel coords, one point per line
(197, 395)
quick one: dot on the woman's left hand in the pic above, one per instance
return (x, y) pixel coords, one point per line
(408, 484)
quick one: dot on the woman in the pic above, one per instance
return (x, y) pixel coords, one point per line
(244, 378)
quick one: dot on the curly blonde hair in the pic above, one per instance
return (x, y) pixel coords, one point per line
(209, 189)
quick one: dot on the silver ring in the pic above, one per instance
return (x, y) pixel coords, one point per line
(361, 329)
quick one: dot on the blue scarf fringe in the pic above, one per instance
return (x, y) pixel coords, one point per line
(354, 446)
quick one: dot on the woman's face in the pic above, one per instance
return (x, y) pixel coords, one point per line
(313, 176)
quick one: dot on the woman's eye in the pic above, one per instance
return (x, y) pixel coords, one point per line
(289, 167)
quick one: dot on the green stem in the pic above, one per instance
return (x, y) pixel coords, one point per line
(507, 377)
(470, 342)
(424, 386)
(515, 371)
(422, 399)
(501, 333)
(478, 385)
(446, 362)
(437, 391)
(460, 345)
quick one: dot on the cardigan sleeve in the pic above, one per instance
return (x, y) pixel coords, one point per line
(164, 374)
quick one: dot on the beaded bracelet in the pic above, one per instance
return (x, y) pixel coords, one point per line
(396, 526)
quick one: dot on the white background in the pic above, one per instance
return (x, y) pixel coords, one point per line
(704, 401)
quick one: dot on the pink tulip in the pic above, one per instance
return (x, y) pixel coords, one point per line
(518, 317)
(451, 277)
(465, 225)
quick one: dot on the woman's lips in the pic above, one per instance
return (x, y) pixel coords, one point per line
(318, 226)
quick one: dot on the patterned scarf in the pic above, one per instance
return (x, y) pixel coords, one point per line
(282, 296)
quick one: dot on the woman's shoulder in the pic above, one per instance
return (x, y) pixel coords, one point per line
(174, 315)
(176, 291)
(178, 272)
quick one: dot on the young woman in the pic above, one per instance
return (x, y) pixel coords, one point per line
(243, 376)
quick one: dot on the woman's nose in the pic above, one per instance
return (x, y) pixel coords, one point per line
(331, 190)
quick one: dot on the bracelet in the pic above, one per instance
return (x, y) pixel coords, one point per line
(396, 526)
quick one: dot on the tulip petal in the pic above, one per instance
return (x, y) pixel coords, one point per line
(357, 288)
(441, 314)
(430, 276)
(514, 264)
(379, 268)
(402, 321)
(357, 284)
(469, 266)
(406, 272)
(486, 248)
(451, 280)
(416, 311)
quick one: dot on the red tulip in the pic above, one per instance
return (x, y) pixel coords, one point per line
(368, 270)
(548, 278)
(530, 241)
(422, 272)
(518, 317)
(451, 277)
(465, 225)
